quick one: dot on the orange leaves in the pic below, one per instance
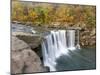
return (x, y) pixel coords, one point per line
(32, 15)
(45, 13)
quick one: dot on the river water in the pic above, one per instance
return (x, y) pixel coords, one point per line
(83, 59)
(20, 28)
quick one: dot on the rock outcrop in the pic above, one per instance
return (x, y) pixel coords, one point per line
(23, 59)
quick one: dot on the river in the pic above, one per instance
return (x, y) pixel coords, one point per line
(83, 59)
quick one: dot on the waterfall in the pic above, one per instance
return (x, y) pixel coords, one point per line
(55, 44)
(71, 39)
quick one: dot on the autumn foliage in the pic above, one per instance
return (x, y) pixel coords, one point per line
(47, 13)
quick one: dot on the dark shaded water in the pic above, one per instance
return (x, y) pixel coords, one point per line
(83, 59)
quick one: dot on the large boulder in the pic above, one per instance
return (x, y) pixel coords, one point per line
(23, 59)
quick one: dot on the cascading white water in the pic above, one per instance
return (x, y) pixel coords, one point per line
(59, 42)
(55, 44)
(71, 39)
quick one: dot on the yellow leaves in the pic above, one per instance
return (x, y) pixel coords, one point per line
(33, 14)
(45, 13)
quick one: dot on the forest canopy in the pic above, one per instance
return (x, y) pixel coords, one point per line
(48, 13)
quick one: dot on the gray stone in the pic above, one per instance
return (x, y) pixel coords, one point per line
(23, 59)
(18, 44)
(32, 41)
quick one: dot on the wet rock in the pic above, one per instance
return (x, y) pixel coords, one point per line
(23, 59)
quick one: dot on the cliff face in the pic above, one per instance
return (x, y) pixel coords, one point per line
(88, 38)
